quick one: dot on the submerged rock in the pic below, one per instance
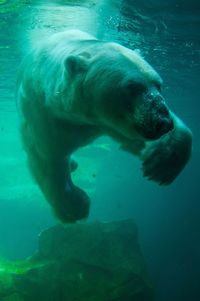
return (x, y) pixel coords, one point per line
(83, 262)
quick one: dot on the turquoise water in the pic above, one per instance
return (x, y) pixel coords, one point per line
(168, 34)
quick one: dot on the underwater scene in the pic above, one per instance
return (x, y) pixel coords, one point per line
(99, 150)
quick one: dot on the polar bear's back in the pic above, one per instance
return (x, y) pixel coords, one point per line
(72, 35)
(66, 41)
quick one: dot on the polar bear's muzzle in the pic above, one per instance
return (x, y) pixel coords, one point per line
(152, 117)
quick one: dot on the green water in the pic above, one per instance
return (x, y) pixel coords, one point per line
(168, 34)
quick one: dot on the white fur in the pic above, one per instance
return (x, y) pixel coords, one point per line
(67, 96)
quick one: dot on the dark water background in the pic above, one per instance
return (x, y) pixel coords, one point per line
(168, 218)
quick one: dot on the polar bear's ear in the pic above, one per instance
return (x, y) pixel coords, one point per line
(75, 64)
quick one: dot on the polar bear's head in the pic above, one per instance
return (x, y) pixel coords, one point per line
(125, 93)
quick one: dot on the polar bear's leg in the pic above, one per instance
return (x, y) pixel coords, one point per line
(69, 202)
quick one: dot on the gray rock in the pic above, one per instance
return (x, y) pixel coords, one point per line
(86, 262)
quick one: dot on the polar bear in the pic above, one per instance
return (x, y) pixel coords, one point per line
(74, 88)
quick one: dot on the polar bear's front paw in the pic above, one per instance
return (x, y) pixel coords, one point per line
(159, 164)
(165, 158)
(75, 206)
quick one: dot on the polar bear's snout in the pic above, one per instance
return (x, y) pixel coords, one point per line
(162, 121)
(153, 117)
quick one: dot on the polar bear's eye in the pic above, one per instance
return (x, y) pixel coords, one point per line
(135, 89)
(159, 87)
